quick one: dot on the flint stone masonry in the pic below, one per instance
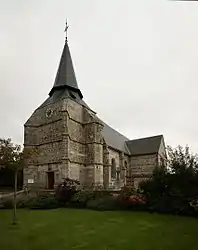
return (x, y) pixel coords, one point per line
(143, 164)
(69, 140)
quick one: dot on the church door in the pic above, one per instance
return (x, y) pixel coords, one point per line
(50, 180)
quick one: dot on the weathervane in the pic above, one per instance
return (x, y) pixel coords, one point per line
(66, 28)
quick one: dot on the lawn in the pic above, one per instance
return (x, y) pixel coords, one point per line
(92, 230)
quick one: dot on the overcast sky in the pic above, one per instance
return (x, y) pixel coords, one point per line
(136, 63)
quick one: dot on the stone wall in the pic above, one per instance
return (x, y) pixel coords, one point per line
(44, 134)
(76, 152)
(76, 131)
(85, 147)
(143, 164)
(70, 144)
(74, 171)
(114, 154)
(76, 148)
(39, 117)
(120, 159)
(142, 167)
(94, 147)
(162, 154)
(106, 166)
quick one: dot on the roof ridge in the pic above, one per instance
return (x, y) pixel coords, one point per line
(148, 137)
(145, 145)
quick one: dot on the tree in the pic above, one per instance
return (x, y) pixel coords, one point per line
(180, 160)
(174, 187)
(13, 157)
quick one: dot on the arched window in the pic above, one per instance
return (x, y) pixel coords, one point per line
(113, 168)
(126, 168)
(118, 174)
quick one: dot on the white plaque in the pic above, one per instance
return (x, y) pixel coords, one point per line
(30, 181)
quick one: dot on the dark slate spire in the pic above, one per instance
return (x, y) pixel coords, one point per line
(65, 77)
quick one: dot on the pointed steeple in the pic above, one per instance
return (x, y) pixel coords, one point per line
(65, 77)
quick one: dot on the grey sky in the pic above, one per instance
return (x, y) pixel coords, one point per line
(135, 62)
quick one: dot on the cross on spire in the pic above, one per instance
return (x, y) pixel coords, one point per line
(66, 28)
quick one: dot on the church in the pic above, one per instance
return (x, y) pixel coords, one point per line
(71, 141)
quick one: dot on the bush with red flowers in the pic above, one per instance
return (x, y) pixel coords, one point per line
(130, 199)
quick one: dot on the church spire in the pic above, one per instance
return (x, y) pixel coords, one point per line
(65, 77)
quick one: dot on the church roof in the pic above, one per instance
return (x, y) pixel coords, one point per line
(114, 139)
(61, 94)
(146, 145)
(65, 77)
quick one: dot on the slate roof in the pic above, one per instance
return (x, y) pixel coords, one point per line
(60, 94)
(65, 77)
(114, 139)
(146, 145)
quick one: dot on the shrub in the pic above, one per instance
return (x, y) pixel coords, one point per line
(32, 201)
(66, 190)
(194, 205)
(174, 191)
(42, 202)
(80, 198)
(7, 204)
(128, 198)
(136, 202)
(103, 203)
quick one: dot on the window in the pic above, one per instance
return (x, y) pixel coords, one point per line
(118, 174)
(72, 95)
(113, 169)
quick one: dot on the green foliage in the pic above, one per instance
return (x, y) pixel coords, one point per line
(101, 200)
(104, 203)
(32, 201)
(173, 189)
(42, 202)
(7, 204)
(66, 190)
(12, 156)
(80, 198)
(128, 198)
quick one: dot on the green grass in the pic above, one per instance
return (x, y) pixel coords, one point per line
(91, 230)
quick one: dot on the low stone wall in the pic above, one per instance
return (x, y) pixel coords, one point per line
(4, 196)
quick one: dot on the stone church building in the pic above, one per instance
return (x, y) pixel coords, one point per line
(69, 140)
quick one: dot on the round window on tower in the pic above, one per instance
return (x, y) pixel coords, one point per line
(48, 112)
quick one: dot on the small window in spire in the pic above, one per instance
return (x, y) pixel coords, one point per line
(72, 95)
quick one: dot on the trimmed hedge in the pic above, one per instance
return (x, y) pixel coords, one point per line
(103, 203)
(32, 201)
(43, 202)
